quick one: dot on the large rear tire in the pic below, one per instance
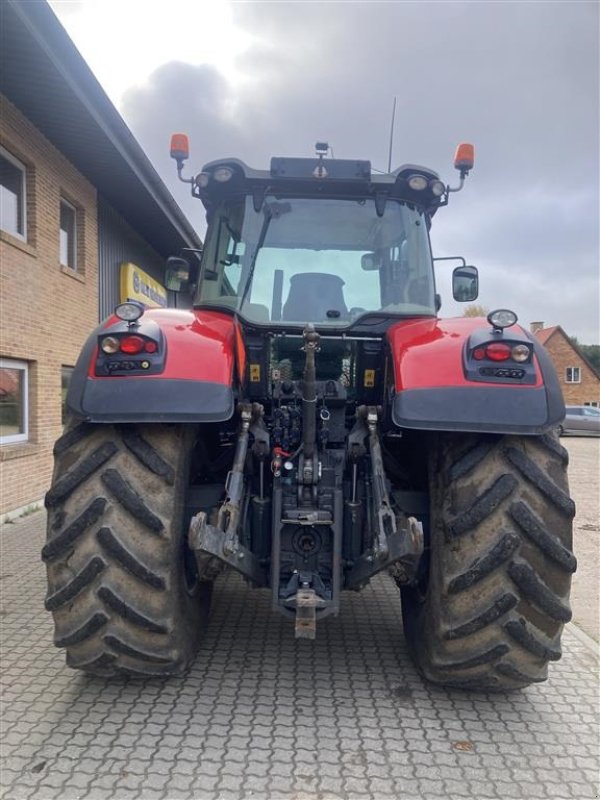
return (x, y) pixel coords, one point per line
(122, 585)
(495, 595)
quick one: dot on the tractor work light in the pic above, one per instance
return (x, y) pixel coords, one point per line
(437, 188)
(202, 179)
(502, 318)
(110, 345)
(223, 174)
(417, 182)
(130, 311)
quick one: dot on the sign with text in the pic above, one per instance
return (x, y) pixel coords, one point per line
(138, 285)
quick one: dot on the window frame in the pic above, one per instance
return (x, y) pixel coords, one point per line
(73, 209)
(574, 371)
(16, 438)
(6, 154)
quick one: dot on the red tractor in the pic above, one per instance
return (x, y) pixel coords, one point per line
(311, 422)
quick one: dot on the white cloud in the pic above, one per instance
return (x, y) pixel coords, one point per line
(257, 79)
(124, 41)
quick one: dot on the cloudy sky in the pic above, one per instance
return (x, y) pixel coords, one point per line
(518, 79)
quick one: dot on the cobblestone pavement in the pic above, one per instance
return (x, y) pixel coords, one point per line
(261, 715)
(584, 482)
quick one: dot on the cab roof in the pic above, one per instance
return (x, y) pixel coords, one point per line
(318, 177)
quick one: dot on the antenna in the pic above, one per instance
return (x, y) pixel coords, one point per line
(392, 136)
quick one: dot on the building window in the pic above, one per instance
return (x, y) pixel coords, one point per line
(65, 380)
(68, 235)
(573, 375)
(14, 396)
(592, 404)
(12, 195)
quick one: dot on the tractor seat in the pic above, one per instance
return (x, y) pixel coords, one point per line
(312, 295)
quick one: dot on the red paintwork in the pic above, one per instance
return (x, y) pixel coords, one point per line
(428, 353)
(200, 345)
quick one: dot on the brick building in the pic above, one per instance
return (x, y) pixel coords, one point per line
(580, 383)
(79, 202)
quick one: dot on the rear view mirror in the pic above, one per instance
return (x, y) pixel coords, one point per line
(465, 284)
(177, 274)
(368, 262)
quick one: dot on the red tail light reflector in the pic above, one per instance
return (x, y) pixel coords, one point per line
(132, 344)
(150, 347)
(497, 352)
(479, 353)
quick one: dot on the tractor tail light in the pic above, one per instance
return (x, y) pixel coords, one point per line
(520, 353)
(150, 347)
(109, 344)
(132, 344)
(479, 353)
(497, 352)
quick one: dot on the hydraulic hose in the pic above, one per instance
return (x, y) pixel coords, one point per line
(309, 393)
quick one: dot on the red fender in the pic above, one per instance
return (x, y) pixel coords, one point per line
(434, 390)
(191, 379)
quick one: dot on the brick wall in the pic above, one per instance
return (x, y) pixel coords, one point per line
(47, 310)
(564, 355)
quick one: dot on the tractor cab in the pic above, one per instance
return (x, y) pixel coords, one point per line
(316, 240)
(331, 261)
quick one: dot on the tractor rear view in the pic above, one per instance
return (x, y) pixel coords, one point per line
(310, 423)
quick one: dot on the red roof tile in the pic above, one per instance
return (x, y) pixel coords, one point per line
(545, 333)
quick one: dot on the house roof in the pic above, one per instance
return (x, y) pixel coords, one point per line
(44, 75)
(544, 334)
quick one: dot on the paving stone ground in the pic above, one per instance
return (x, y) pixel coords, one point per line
(261, 715)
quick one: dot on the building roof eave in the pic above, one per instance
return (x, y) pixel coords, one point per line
(43, 74)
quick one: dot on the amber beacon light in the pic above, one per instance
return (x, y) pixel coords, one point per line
(180, 147)
(464, 158)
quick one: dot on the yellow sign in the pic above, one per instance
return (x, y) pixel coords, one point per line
(138, 285)
(254, 373)
(369, 378)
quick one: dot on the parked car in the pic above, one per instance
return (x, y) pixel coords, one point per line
(581, 421)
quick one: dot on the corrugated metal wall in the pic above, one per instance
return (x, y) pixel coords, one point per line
(119, 242)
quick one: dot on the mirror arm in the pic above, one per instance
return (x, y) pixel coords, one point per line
(450, 258)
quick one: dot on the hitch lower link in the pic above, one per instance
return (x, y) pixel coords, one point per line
(398, 540)
(216, 545)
